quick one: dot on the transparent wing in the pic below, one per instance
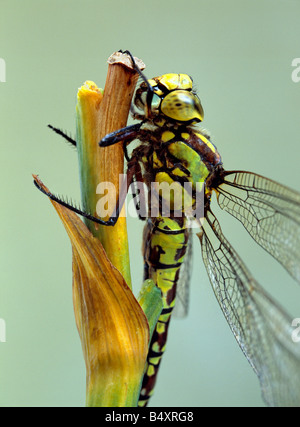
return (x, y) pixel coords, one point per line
(183, 283)
(269, 211)
(262, 329)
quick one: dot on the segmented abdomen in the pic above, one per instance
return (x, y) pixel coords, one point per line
(165, 244)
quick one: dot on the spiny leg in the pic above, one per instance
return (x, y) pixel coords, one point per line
(138, 192)
(40, 186)
(63, 134)
(113, 219)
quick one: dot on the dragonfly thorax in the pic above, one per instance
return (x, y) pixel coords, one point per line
(171, 97)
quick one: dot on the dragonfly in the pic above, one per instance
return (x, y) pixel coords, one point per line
(173, 150)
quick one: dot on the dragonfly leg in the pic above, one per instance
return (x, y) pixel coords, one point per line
(40, 186)
(138, 191)
(132, 167)
(126, 134)
(150, 91)
(137, 68)
(63, 134)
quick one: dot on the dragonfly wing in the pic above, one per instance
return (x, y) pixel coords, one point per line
(263, 330)
(183, 284)
(269, 211)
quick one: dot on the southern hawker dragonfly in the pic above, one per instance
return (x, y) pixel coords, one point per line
(173, 149)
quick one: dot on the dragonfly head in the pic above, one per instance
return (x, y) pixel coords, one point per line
(170, 96)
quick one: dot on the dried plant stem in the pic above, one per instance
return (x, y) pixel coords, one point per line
(98, 115)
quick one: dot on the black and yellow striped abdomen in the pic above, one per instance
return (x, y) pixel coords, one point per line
(165, 243)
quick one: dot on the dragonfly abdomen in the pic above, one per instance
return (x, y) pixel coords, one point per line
(164, 250)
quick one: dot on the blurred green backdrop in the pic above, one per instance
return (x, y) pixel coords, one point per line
(239, 54)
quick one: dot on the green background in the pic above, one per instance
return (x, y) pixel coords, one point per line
(239, 54)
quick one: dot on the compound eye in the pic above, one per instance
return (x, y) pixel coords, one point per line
(182, 106)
